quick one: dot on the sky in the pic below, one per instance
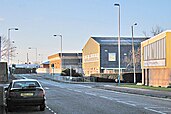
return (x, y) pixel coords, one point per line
(76, 21)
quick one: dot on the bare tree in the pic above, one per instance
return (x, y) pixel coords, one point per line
(128, 60)
(156, 30)
(145, 34)
(4, 48)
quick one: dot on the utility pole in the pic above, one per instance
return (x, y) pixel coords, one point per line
(133, 50)
(61, 48)
(27, 59)
(119, 51)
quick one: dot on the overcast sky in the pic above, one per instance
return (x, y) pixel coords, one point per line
(76, 21)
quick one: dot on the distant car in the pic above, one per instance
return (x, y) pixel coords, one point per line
(25, 92)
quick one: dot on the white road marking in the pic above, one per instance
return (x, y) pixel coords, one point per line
(109, 86)
(90, 94)
(77, 91)
(132, 102)
(50, 83)
(51, 110)
(112, 91)
(115, 99)
(126, 103)
(70, 89)
(164, 109)
(106, 97)
(149, 108)
(85, 86)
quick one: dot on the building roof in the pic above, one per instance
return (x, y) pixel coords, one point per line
(64, 54)
(27, 66)
(114, 40)
(71, 54)
(160, 34)
(46, 63)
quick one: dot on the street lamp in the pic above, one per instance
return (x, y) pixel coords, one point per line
(61, 48)
(36, 52)
(41, 58)
(9, 41)
(118, 5)
(133, 51)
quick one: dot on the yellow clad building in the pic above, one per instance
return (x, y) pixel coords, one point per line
(69, 60)
(156, 60)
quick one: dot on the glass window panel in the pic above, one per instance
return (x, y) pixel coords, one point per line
(164, 46)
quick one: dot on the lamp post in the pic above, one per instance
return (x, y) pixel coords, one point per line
(36, 52)
(118, 5)
(41, 58)
(133, 51)
(9, 41)
(61, 48)
(27, 59)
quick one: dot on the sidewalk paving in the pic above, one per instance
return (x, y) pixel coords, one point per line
(146, 92)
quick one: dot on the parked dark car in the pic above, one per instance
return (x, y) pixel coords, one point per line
(25, 92)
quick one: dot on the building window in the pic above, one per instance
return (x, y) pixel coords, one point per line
(112, 57)
(155, 50)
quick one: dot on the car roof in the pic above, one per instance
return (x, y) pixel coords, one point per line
(21, 80)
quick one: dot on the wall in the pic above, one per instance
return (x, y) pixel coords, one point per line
(43, 70)
(106, 49)
(56, 60)
(91, 57)
(168, 49)
(159, 77)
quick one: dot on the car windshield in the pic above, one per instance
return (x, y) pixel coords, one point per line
(25, 84)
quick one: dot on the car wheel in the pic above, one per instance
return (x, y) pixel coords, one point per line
(42, 107)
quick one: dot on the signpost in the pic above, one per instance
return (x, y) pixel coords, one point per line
(52, 65)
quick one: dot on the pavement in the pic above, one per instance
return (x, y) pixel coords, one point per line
(146, 92)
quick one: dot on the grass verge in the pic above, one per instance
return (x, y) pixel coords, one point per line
(146, 87)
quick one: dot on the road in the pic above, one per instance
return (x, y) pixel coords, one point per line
(65, 98)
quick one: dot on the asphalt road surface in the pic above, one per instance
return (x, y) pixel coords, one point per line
(65, 98)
